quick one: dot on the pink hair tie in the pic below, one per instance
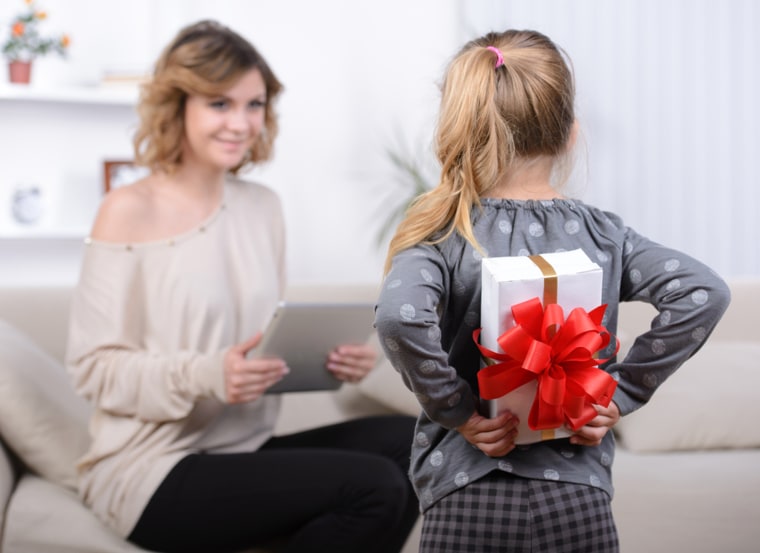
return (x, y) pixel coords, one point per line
(499, 56)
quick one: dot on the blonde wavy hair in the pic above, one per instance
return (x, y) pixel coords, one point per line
(490, 118)
(205, 58)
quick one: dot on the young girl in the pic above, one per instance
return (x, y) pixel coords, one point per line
(506, 125)
(182, 272)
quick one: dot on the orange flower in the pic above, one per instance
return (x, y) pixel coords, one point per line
(25, 42)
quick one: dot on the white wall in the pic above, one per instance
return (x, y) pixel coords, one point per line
(354, 72)
(666, 97)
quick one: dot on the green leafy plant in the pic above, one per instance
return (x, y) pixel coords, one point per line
(415, 174)
(25, 41)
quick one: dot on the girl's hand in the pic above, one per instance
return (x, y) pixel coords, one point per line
(247, 379)
(593, 432)
(351, 363)
(494, 437)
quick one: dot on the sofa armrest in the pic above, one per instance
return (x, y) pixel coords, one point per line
(42, 312)
(8, 477)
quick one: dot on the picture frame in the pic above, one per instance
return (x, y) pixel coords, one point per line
(119, 172)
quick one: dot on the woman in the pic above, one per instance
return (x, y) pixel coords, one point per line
(181, 273)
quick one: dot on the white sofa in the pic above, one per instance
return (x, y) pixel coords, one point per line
(687, 472)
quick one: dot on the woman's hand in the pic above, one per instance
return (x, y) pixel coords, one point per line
(351, 363)
(593, 432)
(247, 379)
(494, 437)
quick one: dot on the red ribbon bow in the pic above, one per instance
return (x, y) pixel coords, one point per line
(559, 354)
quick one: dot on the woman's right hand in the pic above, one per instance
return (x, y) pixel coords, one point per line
(494, 437)
(247, 379)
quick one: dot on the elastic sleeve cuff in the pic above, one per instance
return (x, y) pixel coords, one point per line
(626, 404)
(208, 376)
(454, 417)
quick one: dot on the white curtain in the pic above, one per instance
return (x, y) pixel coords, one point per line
(667, 96)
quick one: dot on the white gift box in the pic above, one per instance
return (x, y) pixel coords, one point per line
(569, 279)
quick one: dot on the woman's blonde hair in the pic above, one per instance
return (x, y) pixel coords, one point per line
(205, 58)
(492, 115)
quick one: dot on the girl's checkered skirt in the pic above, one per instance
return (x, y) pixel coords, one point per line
(502, 513)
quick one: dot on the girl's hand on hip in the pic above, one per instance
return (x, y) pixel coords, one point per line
(592, 433)
(351, 362)
(247, 379)
(494, 437)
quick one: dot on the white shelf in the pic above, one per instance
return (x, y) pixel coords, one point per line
(111, 95)
(49, 233)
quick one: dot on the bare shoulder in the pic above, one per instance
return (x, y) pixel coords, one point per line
(124, 213)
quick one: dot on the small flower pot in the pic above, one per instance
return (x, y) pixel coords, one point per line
(20, 72)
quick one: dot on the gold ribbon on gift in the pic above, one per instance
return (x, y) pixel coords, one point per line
(551, 281)
(551, 284)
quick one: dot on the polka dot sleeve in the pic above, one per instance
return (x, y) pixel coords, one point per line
(690, 300)
(408, 324)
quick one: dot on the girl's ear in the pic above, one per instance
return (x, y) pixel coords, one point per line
(573, 136)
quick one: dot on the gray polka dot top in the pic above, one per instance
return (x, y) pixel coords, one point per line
(430, 304)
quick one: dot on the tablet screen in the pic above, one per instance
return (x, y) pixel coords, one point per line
(304, 333)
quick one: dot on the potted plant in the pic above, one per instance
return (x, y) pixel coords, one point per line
(416, 172)
(25, 42)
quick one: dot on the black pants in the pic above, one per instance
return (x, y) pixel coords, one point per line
(340, 488)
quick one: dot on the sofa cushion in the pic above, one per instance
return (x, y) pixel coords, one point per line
(41, 418)
(46, 518)
(7, 483)
(710, 402)
(682, 501)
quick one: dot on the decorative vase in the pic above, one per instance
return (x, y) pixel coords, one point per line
(20, 72)
(26, 204)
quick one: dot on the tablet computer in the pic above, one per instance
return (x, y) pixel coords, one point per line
(303, 334)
